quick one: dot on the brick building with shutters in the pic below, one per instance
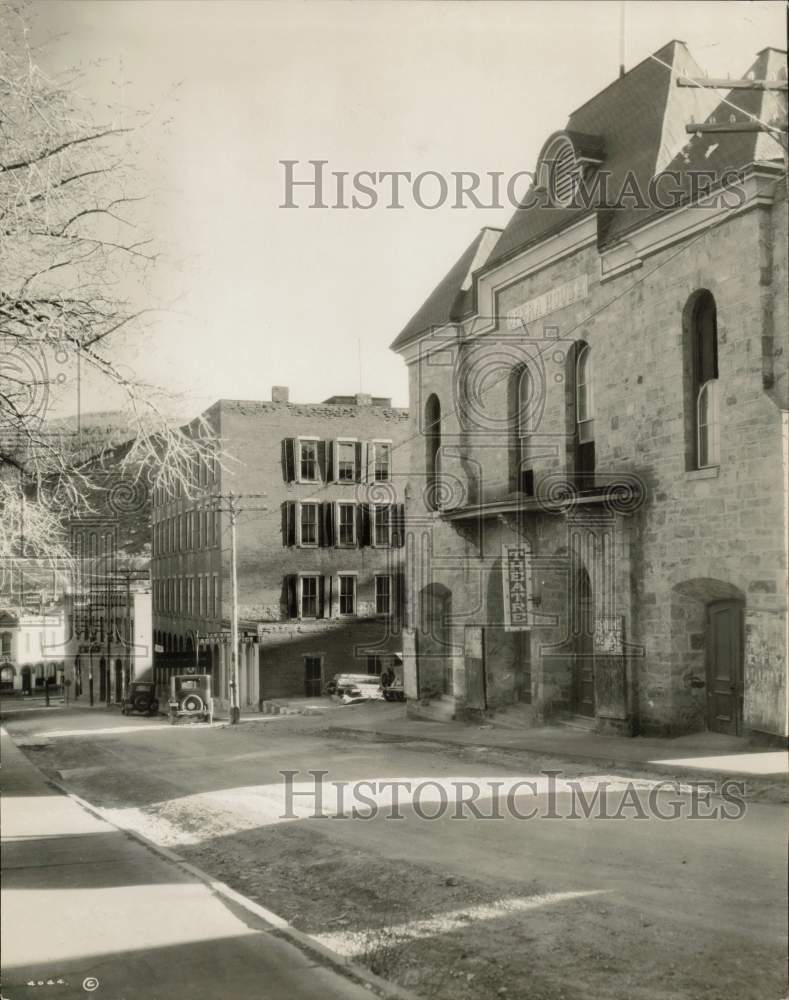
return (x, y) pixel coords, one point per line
(320, 488)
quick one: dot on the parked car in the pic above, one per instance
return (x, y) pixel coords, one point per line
(394, 692)
(140, 697)
(342, 683)
(190, 698)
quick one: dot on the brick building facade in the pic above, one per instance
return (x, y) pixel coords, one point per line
(319, 547)
(598, 526)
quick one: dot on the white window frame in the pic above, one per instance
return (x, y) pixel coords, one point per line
(389, 596)
(373, 527)
(708, 434)
(353, 578)
(584, 417)
(354, 517)
(300, 595)
(300, 505)
(374, 447)
(357, 472)
(307, 439)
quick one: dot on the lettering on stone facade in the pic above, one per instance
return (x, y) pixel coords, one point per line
(556, 298)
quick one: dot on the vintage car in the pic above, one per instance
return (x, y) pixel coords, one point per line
(342, 684)
(395, 691)
(190, 698)
(140, 697)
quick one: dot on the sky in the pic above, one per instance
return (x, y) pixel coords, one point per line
(259, 295)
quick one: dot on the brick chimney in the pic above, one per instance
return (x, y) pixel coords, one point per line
(280, 394)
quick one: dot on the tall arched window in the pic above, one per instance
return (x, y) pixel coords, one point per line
(704, 345)
(584, 417)
(522, 422)
(432, 450)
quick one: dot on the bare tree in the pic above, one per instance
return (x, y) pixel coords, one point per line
(75, 260)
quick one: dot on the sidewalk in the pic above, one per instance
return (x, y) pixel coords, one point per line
(86, 909)
(707, 755)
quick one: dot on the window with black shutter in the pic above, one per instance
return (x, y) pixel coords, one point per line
(289, 460)
(289, 522)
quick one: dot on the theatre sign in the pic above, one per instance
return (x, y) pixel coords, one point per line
(515, 586)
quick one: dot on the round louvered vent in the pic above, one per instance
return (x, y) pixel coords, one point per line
(559, 172)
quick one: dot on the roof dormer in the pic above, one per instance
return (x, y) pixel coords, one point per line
(566, 159)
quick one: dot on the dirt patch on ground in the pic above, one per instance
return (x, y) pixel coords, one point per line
(419, 926)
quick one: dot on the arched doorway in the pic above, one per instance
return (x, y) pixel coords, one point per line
(582, 619)
(7, 674)
(27, 680)
(102, 679)
(118, 679)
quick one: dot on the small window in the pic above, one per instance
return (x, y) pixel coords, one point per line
(309, 596)
(216, 596)
(347, 595)
(346, 462)
(707, 424)
(382, 521)
(308, 461)
(382, 461)
(374, 664)
(308, 524)
(346, 524)
(383, 595)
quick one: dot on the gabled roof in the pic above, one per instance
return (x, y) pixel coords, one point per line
(634, 130)
(717, 154)
(450, 299)
(639, 120)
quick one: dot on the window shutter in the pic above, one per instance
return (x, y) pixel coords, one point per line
(321, 597)
(398, 598)
(364, 523)
(289, 523)
(289, 460)
(328, 520)
(360, 458)
(331, 461)
(292, 595)
(322, 449)
(398, 528)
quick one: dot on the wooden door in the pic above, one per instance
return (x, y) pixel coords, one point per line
(313, 680)
(724, 666)
(583, 642)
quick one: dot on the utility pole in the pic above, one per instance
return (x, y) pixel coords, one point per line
(233, 510)
(128, 677)
(235, 708)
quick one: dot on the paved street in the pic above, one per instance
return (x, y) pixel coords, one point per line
(86, 910)
(621, 908)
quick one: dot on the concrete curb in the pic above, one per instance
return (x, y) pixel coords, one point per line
(753, 782)
(278, 925)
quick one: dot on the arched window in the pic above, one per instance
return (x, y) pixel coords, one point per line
(432, 450)
(704, 362)
(584, 458)
(522, 426)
